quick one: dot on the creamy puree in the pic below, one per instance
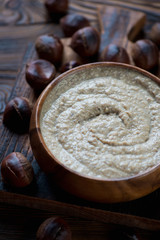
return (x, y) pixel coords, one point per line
(106, 127)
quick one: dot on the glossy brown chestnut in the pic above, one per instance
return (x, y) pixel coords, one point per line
(154, 34)
(40, 73)
(145, 54)
(54, 228)
(85, 41)
(56, 6)
(73, 22)
(16, 170)
(69, 65)
(115, 53)
(49, 47)
(17, 114)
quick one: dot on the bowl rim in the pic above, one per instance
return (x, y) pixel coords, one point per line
(54, 82)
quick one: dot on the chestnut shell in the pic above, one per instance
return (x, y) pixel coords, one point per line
(16, 170)
(54, 228)
(115, 53)
(86, 41)
(40, 73)
(145, 54)
(56, 6)
(17, 114)
(73, 22)
(49, 47)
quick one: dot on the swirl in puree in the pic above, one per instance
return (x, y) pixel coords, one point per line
(106, 127)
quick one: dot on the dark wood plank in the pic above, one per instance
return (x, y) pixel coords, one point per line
(22, 223)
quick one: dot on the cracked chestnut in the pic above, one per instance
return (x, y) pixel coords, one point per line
(40, 73)
(145, 54)
(115, 53)
(17, 114)
(56, 6)
(49, 47)
(73, 22)
(85, 42)
(16, 170)
(54, 228)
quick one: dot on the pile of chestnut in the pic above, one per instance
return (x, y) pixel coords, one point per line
(85, 42)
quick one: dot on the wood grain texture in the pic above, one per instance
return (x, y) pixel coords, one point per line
(23, 24)
(118, 26)
(20, 227)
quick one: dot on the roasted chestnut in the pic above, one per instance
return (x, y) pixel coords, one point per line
(115, 53)
(17, 114)
(145, 54)
(73, 22)
(54, 228)
(86, 41)
(16, 170)
(40, 73)
(56, 6)
(49, 47)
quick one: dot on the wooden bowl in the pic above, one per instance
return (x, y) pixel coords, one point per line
(89, 188)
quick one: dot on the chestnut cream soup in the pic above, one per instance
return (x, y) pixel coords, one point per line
(107, 126)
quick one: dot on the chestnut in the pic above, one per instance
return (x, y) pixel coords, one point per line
(154, 34)
(54, 228)
(86, 41)
(115, 53)
(73, 22)
(69, 65)
(56, 6)
(49, 47)
(16, 170)
(17, 114)
(40, 73)
(145, 54)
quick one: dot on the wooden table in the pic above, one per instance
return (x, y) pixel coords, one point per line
(21, 21)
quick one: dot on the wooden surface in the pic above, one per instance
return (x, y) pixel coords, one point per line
(21, 21)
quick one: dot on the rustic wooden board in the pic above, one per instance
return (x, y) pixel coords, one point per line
(42, 193)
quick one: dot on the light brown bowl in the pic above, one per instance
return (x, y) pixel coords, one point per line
(99, 190)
